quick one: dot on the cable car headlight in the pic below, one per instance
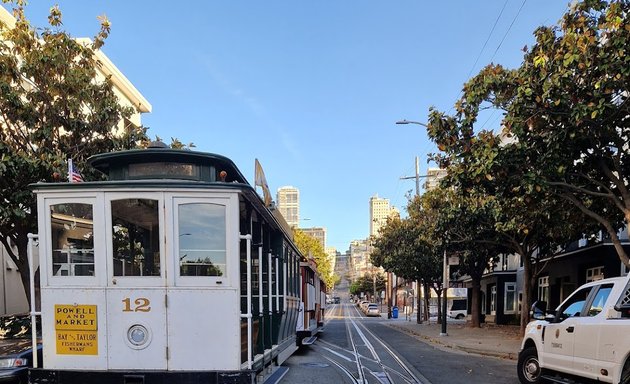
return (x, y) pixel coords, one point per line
(138, 335)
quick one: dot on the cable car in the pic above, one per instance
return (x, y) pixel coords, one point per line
(171, 270)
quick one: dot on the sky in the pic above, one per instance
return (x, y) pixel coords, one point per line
(312, 89)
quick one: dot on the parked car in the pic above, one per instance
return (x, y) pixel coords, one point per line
(16, 348)
(372, 310)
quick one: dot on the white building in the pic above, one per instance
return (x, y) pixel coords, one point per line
(380, 210)
(288, 202)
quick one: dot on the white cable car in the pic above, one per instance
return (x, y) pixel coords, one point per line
(173, 270)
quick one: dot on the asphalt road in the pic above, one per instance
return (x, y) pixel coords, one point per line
(357, 349)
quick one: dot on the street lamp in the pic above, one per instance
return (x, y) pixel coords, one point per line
(445, 277)
(403, 121)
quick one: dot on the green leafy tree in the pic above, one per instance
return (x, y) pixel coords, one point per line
(528, 222)
(567, 129)
(409, 248)
(370, 284)
(53, 107)
(468, 228)
(570, 111)
(311, 247)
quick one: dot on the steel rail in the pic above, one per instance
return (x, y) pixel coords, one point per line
(414, 379)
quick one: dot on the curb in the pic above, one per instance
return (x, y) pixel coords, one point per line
(441, 344)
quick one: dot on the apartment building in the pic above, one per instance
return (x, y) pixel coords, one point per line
(288, 203)
(318, 233)
(380, 210)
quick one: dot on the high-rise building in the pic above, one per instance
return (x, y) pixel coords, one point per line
(288, 200)
(380, 210)
(318, 233)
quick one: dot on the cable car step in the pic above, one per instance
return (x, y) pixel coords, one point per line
(277, 375)
(309, 340)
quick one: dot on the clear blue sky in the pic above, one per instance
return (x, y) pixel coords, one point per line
(311, 89)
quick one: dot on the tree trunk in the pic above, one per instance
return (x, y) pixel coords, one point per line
(427, 295)
(475, 304)
(21, 261)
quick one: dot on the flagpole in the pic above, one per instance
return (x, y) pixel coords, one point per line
(70, 170)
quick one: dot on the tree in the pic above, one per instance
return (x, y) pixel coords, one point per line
(370, 284)
(52, 107)
(468, 224)
(311, 247)
(528, 221)
(570, 108)
(409, 248)
(566, 122)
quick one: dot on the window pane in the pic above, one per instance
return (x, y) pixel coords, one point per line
(510, 298)
(600, 299)
(136, 237)
(574, 305)
(72, 239)
(202, 239)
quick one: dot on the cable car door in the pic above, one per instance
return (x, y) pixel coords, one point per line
(135, 293)
(203, 302)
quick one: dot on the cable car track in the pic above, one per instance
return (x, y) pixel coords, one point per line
(367, 358)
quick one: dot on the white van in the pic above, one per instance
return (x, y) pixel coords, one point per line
(459, 309)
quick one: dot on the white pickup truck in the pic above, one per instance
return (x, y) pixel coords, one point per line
(586, 339)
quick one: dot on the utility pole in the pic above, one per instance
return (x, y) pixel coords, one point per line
(444, 294)
(417, 177)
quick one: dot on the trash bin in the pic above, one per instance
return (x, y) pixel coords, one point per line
(395, 312)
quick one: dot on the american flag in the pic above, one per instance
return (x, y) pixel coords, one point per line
(73, 175)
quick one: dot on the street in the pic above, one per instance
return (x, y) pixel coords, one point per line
(357, 349)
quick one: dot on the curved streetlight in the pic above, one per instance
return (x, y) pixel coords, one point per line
(403, 121)
(445, 267)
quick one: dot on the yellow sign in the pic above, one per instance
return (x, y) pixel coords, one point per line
(75, 317)
(77, 343)
(76, 329)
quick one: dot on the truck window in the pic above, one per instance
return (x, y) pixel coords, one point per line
(458, 305)
(574, 305)
(600, 300)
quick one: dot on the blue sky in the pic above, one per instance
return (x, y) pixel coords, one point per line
(311, 89)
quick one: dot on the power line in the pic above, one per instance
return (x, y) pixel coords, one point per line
(508, 30)
(487, 39)
(461, 92)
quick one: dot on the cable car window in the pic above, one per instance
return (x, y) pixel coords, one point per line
(72, 226)
(136, 237)
(202, 239)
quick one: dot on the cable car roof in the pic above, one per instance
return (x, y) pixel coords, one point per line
(160, 162)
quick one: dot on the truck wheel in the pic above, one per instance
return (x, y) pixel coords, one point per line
(625, 374)
(528, 367)
(459, 316)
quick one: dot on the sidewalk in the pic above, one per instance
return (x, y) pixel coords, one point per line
(501, 341)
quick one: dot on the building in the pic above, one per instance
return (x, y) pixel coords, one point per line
(318, 233)
(12, 294)
(331, 253)
(380, 210)
(434, 175)
(288, 202)
(359, 260)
